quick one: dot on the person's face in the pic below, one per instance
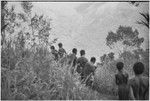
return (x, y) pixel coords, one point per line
(83, 54)
(75, 53)
(60, 46)
(93, 62)
(52, 48)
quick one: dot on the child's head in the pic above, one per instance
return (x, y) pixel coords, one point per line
(60, 45)
(119, 66)
(82, 52)
(138, 68)
(52, 47)
(93, 59)
(74, 50)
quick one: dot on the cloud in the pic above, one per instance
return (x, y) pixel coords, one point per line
(98, 19)
(85, 25)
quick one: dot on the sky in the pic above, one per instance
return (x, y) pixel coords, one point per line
(85, 25)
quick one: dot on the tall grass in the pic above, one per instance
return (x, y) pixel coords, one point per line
(105, 74)
(38, 76)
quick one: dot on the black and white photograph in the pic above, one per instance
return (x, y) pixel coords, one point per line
(74, 50)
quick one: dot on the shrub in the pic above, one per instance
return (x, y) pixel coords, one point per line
(104, 81)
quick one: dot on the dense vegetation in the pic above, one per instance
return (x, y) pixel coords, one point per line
(29, 71)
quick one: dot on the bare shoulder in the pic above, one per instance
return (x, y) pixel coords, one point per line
(85, 59)
(88, 64)
(125, 72)
(132, 80)
(145, 80)
(78, 58)
(116, 75)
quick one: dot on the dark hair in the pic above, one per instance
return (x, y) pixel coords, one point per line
(119, 66)
(12, 86)
(52, 47)
(93, 59)
(60, 44)
(138, 68)
(82, 52)
(74, 50)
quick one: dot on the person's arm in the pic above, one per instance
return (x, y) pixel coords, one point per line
(131, 95)
(117, 81)
(86, 60)
(74, 62)
(59, 53)
(64, 51)
(77, 64)
(95, 69)
(77, 61)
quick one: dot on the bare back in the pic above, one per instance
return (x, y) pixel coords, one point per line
(140, 86)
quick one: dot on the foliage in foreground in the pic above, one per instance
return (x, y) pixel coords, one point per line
(38, 76)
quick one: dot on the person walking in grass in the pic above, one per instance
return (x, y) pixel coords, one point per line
(81, 61)
(72, 59)
(54, 52)
(61, 50)
(122, 82)
(89, 71)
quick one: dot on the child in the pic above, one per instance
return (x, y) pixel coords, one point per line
(121, 81)
(61, 50)
(81, 61)
(88, 71)
(54, 52)
(139, 84)
(72, 59)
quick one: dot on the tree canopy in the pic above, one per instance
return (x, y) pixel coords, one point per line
(125, 37)
(25, 28)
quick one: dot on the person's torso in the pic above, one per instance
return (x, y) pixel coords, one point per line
(61, 52)
(140, 86)
(72, 58)
(54, 52)
(122, 78)
(82, 61)
(89, 68)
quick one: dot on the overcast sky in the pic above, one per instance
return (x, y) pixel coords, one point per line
(85, 25)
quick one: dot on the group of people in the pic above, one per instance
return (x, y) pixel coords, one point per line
(80, 65)
(58, 54)
(136, 88)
